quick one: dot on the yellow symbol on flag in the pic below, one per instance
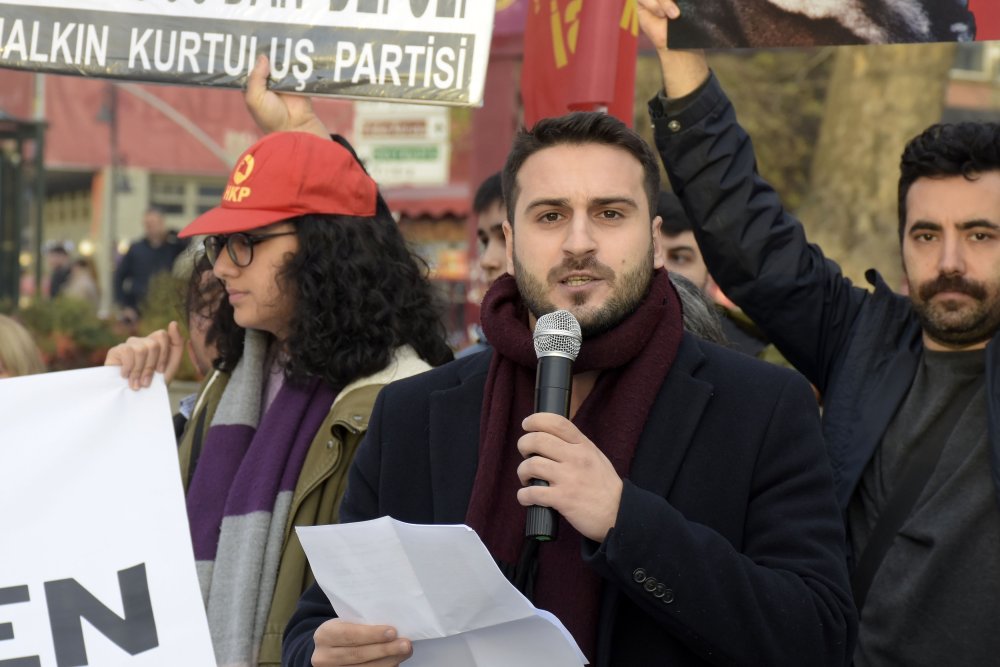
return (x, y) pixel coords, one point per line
(571, 17)
(630, 18)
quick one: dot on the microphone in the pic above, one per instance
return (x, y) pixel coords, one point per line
(557, 341)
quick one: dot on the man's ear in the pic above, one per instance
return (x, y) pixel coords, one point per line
(508, 237)
(659, 261)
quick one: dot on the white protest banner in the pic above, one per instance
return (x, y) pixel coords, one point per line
(433, 51)
(96, 565)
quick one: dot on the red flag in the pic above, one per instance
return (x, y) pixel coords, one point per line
(987, 14)
(579, 55)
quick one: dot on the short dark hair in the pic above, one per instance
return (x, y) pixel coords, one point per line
(490, 192)
(578, 128)
(947, 149)
(675, 219)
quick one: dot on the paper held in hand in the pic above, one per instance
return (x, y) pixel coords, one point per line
(439, 587)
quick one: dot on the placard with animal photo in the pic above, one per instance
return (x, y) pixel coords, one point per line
(778, 23)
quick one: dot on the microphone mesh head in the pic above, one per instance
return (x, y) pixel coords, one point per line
(557, 333)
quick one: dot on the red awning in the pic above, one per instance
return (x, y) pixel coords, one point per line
(452, 200)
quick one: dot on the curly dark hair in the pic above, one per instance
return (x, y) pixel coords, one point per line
(947, 149)
(203, 298)
(359, 293)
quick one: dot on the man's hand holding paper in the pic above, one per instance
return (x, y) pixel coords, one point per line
(440, 592)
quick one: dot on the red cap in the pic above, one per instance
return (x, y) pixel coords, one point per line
(285, 175)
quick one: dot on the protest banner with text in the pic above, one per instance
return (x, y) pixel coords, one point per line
(433, 51)
(96, 566)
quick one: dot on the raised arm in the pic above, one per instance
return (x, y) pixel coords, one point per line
(755, 250)
(279, 112)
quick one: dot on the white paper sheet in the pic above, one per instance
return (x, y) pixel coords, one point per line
(438, 586)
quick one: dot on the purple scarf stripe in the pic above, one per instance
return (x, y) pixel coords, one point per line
(243, 469)
(206, 501)
(293, 412)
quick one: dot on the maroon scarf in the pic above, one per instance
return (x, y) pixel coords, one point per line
(637, 355)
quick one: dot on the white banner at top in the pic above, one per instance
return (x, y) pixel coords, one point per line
(432, 51)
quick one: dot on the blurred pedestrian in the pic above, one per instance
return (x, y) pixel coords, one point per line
(148, 256)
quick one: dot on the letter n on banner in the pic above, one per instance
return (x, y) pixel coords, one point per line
(579, 55)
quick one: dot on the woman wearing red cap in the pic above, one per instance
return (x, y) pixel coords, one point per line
(324, 305)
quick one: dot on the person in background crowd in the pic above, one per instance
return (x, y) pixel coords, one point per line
(490, 214)
(82, 283)
(203, 294)
(148, 256)
(324, 304)
(682, 255)
(908, 382)
(697, 523)
(58, 261)
(18, 353)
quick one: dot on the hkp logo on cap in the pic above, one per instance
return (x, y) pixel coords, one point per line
(236, 193)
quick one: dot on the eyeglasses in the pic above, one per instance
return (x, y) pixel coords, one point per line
(238, 245)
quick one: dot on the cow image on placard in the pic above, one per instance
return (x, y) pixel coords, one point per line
(770, 23)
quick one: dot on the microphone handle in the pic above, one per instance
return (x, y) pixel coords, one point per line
(553, 389)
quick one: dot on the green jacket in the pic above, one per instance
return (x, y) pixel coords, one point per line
(317, 495)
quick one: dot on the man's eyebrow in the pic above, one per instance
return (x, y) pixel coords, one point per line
(978, 223)
(555, 201)
(925, 226)
(614, 201)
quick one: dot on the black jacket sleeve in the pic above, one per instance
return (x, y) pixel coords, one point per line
(781, 596)
(755, 250)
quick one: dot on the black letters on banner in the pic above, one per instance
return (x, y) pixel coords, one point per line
(69, 603)
(14, 595)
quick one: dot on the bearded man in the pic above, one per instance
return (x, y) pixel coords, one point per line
(909, 383)
(696, 518)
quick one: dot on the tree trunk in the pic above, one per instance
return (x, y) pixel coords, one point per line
(878, 99)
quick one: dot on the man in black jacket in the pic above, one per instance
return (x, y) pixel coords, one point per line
(697, 521)
(148, 256)
(908, 384)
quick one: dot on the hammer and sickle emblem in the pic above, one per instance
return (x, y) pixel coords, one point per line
(243, 169)
(570, 18)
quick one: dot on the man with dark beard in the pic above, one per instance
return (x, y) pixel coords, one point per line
(909, 385)
(697, 522)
